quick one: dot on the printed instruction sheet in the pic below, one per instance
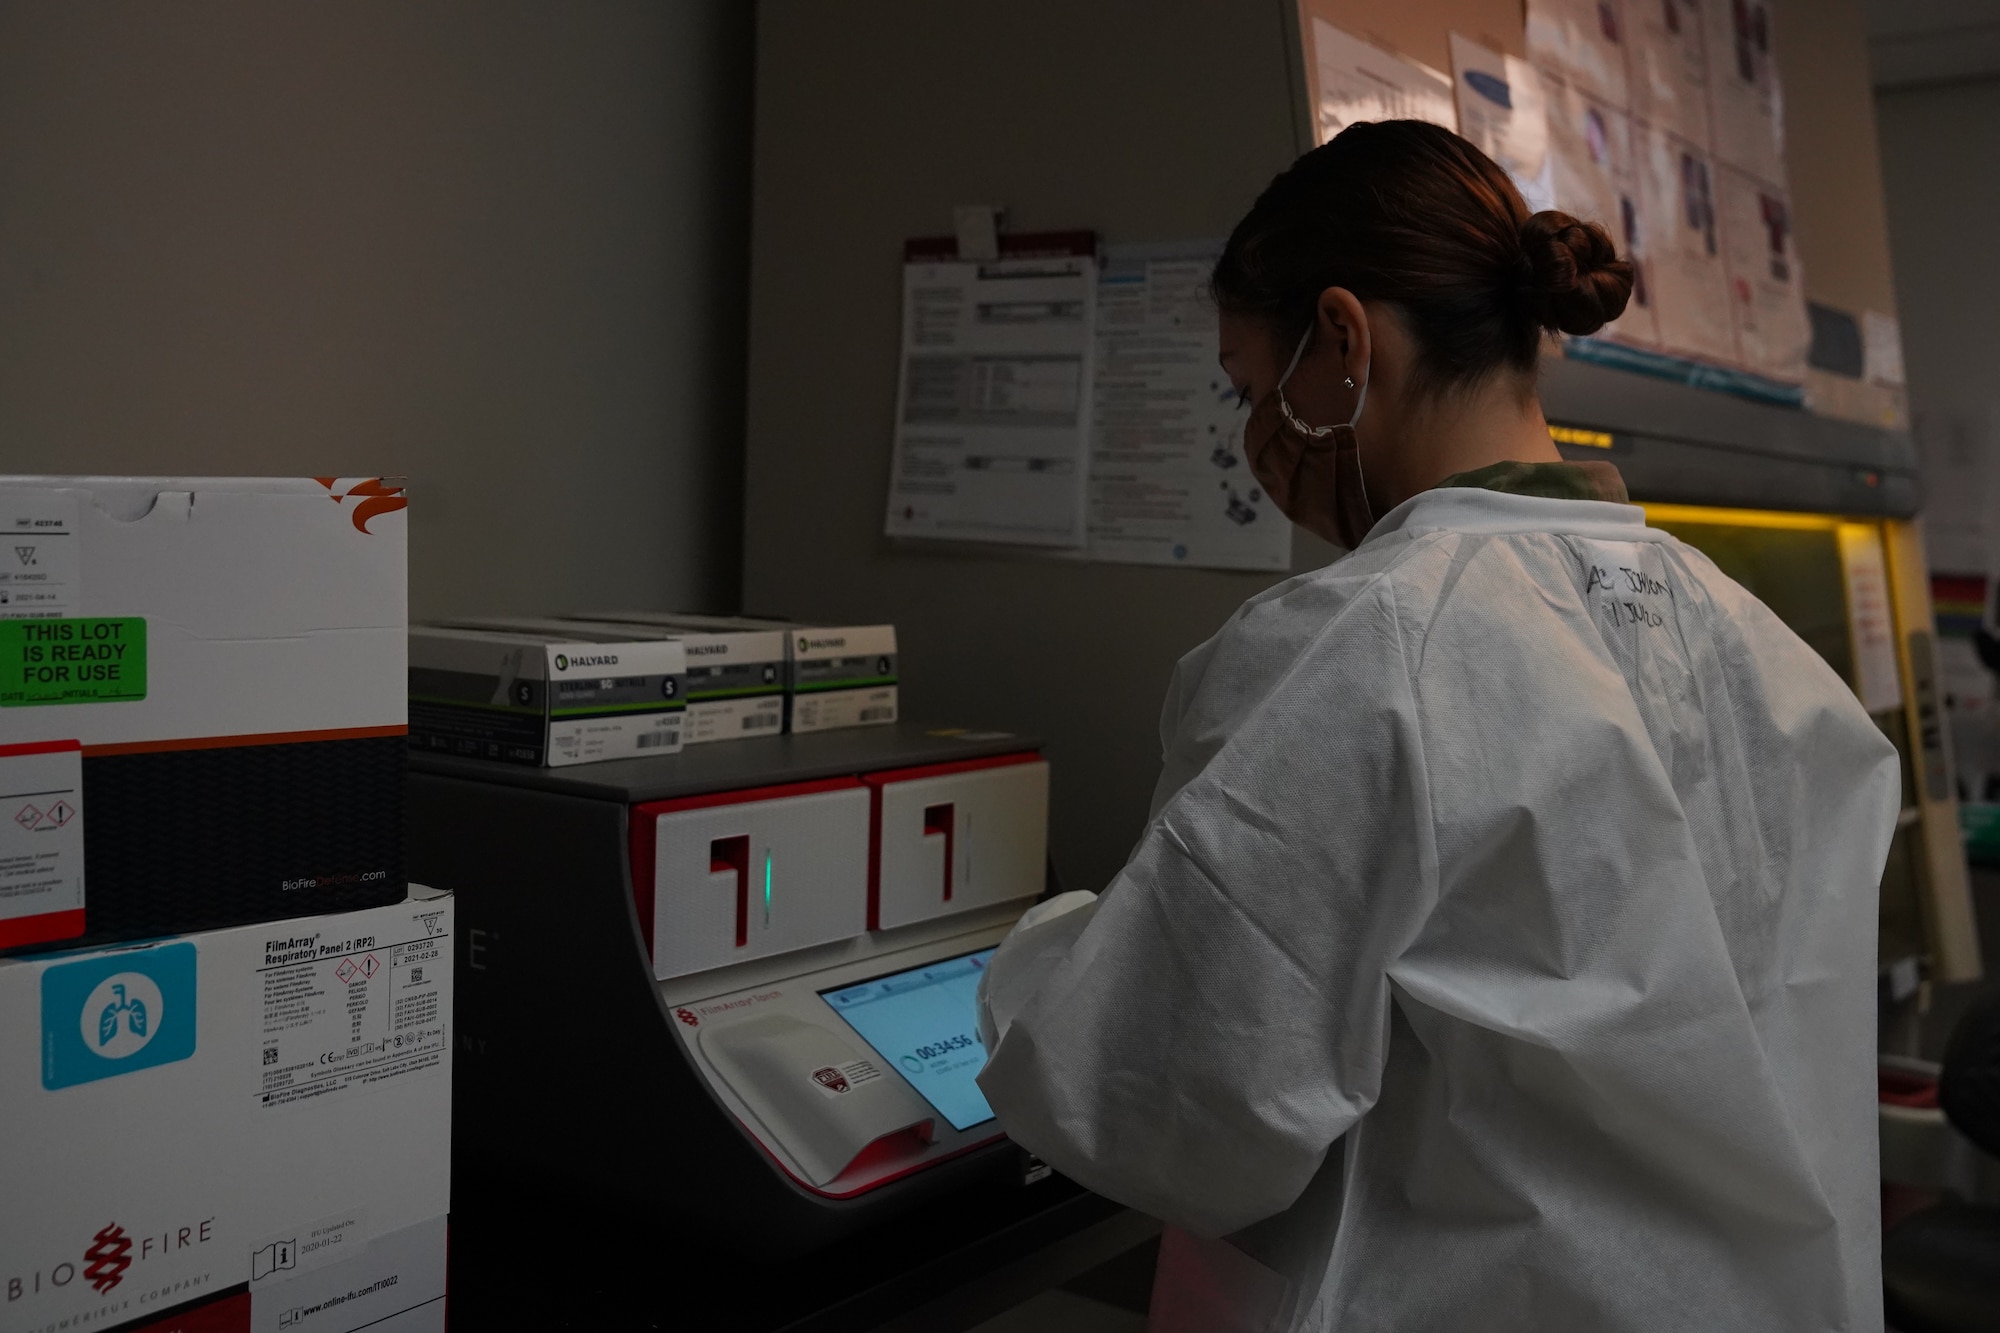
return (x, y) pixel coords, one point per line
(994, 400)
(1762, 259)
(1503, 111)
(1356, 80)
(1168, 482)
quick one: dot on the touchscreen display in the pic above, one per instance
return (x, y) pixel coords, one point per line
(925, 1023)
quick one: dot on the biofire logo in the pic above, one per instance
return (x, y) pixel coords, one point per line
(106, 1260)
(373, 498)
(109, 1256)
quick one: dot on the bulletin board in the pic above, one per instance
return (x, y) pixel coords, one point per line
(1661, 121)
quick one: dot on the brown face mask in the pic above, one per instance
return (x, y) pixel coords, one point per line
(1312, 473)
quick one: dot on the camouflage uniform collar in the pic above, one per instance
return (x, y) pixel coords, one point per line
(1593, 480)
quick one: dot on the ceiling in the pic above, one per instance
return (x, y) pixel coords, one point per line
(1916, 42)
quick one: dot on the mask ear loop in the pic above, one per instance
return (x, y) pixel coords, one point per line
(1360, 402)
(1291, 417)
(1321, 432)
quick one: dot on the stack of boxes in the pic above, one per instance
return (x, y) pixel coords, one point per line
(835, 675)
(225, 1051)
(560, 690)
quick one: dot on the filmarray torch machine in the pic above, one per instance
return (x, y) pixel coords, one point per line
(737, 983)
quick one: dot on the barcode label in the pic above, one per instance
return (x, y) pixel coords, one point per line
(759, 721)
(652, 740)
(878, 714)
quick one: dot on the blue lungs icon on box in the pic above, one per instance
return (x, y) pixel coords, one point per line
(113, 1013)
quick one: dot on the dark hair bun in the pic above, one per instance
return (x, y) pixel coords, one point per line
(1576, 282)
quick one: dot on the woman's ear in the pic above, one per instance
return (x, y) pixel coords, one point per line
(1344, 332)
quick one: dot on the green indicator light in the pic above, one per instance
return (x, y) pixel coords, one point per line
(767, 888)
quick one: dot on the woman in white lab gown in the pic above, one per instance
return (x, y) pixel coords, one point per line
(1500, 954)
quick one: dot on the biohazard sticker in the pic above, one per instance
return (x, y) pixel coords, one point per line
(41, 842)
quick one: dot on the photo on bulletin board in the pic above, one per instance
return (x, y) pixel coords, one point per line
(1668, 71)
(1593, 175)
(1746, 109)
(1683, 229)
(1582, 42)
(1765, 278)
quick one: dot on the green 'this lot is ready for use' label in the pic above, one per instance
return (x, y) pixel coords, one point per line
(98, 659)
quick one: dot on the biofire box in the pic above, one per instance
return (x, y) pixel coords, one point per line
(202, 702)
(254, 1121)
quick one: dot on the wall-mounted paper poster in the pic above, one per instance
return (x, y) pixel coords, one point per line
(1871, 616)
(1502, 108)
(1687, 278)
(1356, 81)
(1669, 79)
(1591, 168)
(1746, 111)
(1772, 329)
(1583, 41)
(994, 395)
(1881, 349)
(1168, 483)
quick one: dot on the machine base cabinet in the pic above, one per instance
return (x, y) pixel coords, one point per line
(673, 997)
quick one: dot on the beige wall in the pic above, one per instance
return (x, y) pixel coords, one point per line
(1831, 154)
(1941, 161)
(496, 248)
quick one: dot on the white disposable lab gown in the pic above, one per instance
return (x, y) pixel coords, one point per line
(1533, 855)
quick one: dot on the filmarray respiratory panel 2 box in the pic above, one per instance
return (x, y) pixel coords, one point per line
(256, 1119)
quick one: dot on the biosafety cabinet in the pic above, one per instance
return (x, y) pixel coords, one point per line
(1819, 519)
(736, 984)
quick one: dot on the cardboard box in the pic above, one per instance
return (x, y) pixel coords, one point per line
(843, 676)
(545, 700)
(392, 1284)
(202, 703)
(835, 675)
(258, 1112)
(736, 671)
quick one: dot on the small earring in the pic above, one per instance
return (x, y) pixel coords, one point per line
(1349, 381)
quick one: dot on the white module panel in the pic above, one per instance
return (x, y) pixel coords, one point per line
(958, 841)
(738, 880)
